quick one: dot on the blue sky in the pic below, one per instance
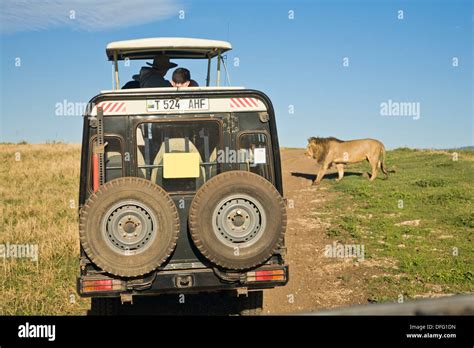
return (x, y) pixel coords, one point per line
(295, 61)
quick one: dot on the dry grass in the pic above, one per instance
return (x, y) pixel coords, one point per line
(38, 195)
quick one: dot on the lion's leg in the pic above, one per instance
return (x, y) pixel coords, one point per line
(340, 171)
(367, 174)
(321, 173)
(373, 164)
(381, 168)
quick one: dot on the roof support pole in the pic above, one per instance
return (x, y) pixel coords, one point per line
(226, 71)
(218, 82)
(112, 75)
(208, 79)
(117, 82)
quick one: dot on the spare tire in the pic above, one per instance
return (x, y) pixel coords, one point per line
(237, 220)
(129, 227)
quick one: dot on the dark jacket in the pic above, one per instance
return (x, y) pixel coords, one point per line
(150, 77)
(135, 83)
(131, 84)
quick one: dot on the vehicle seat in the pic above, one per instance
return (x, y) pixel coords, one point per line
(171, 145)
(112, 164)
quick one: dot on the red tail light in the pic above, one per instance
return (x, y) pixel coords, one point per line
(95, 285)
(266, 275)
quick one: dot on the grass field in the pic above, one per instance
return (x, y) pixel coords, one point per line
(420, 221)
(39, 191)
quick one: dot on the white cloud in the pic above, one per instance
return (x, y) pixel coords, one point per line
(90, 15)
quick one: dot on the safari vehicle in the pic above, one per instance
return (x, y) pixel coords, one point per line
(181, 189)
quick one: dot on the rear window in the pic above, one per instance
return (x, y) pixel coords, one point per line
(156, 140)
(256, 146)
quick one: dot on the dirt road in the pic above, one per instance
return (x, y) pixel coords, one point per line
(316, 281)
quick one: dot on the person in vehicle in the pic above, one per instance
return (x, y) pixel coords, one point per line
(154, 76)
(182, 78)
(135, 83)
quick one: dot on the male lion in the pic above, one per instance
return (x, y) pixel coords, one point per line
(329, 151)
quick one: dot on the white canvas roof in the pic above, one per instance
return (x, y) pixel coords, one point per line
(174, 47)
(170, 89)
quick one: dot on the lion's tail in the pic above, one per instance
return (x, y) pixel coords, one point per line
(383, 166)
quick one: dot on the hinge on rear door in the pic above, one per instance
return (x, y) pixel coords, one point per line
(263, 117)
(93, 121)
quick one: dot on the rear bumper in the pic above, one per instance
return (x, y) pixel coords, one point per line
(182, 281)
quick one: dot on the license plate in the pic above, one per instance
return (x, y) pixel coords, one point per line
(164, 105)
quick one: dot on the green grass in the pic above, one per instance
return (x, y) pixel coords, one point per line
(435, 257)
